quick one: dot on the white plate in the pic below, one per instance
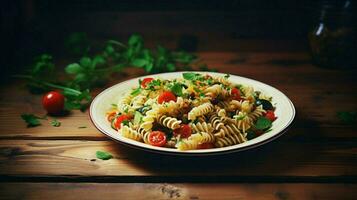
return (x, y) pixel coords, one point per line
(285, 112)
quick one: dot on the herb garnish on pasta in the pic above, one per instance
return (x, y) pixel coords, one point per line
(197, 111)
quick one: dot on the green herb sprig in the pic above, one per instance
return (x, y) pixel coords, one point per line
(93, 70)
(103, 155)
(262, 123)
(32, 120)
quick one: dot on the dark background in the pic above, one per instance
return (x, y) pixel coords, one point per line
(31, 27)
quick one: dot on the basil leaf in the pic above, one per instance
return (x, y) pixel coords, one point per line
(98, 60)
(73, 68)
(32, 120)
(190, 76)
(177, 89)
(85, 62)
(139, 62)
(103, 155)
(263, 123)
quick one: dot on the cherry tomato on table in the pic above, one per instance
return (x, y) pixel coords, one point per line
(53, 102)
(157, 138)
(117, 122)
(146, 81)
(166, 97)
(184, 131)
(236, 94)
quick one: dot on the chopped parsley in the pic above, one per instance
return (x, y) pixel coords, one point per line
(151, 86)
(125, 122)
(196, 90)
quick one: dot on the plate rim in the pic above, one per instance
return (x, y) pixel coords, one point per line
(190, 153)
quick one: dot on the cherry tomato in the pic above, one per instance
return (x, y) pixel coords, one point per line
(270, 115)
(236, 94)
(166, 97)
(53, 102)
(119, 120)
(184, 131)
(157, 138)
(111, 116)
(145, 82)
(206, 145)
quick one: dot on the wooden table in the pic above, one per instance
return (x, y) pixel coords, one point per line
(315, 159)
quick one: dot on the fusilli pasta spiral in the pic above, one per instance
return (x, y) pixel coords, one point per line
(169, 122)
(200, 110)
(197, 112)
(130, 133)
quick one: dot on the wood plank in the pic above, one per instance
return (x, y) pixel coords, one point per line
(75, 159)
(317, 94)
(176, 191)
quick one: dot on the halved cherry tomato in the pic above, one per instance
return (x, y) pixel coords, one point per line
(145, 82)
(119, 120)
(236, 94)
(157, 138)
(53, 102)
(270, 115)
(206, 145)
(166, 97)
(184, 130)
(111, 115)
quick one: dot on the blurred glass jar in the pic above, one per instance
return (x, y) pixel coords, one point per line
(333, 40)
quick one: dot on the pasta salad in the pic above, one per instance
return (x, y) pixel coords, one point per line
(197, 111)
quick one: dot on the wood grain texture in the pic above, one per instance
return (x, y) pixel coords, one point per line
(317, 94)
(315, 159)
(71, 159)
(140, 191)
